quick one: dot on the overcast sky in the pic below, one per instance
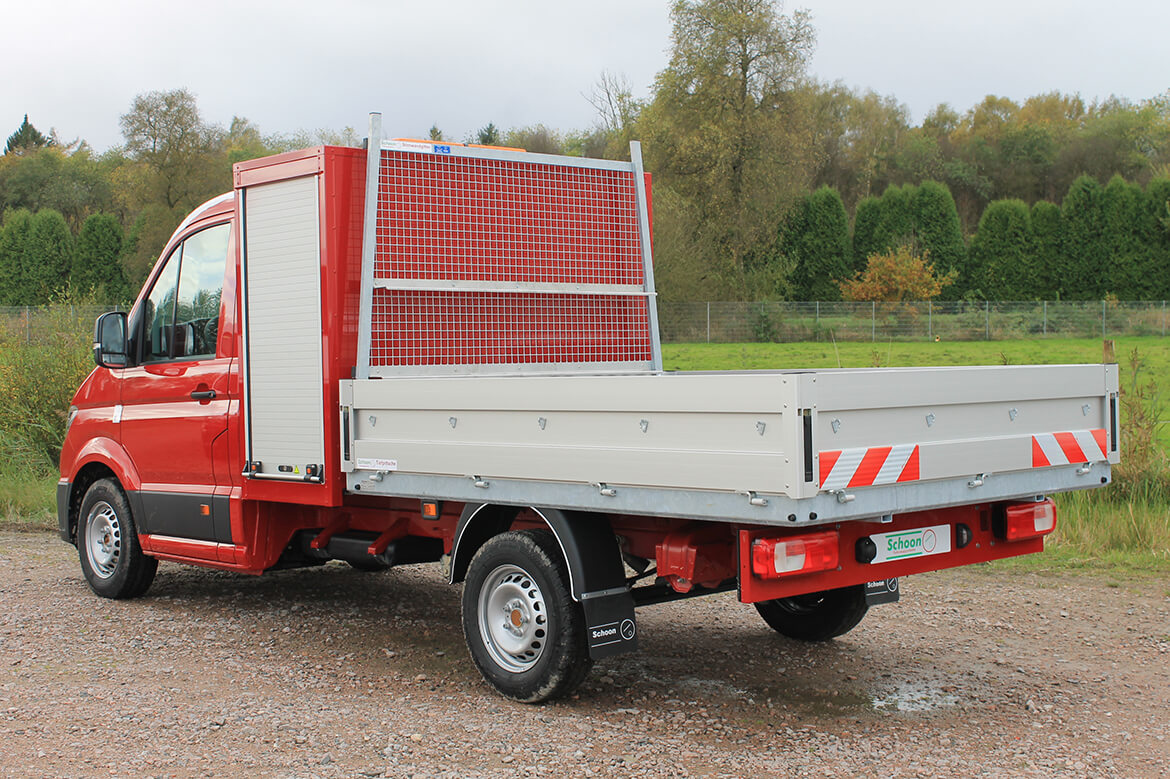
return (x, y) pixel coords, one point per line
(76, 66)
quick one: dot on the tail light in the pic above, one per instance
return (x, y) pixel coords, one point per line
(773, 558)
(1029, 520)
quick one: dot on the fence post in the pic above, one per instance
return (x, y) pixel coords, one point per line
(27, 325)
(987, 319)
(873, 321)
(1102, 319)
(930, 320)
(708, 321)
(1163, 318)
(1045, 317)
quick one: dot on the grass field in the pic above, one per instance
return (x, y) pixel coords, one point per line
(1154, 351)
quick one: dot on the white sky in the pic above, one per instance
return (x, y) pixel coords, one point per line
(294, 65)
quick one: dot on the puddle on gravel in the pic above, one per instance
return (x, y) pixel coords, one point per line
(914, 696)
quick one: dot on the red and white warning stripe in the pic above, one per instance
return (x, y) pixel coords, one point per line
(867, 467)
(1079, 446)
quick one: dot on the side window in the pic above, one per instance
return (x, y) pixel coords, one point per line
(159, 311)
(181, 315)
(200, 290)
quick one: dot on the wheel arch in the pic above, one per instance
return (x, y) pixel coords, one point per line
(587, 542)
(101, 459)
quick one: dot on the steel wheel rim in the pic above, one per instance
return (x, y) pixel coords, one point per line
(513, 620)
(103, 539)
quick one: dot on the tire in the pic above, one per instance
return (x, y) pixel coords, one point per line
(107, 543)
(817, 616)
(523, 629)
(368, 566)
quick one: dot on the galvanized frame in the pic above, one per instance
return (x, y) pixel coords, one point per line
(647, 257)
(871, 503)
(369, 246)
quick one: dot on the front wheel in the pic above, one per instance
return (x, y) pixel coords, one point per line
(107, 543)
(525, 632)
(817, 616)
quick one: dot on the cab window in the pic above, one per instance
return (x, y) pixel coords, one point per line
(181, 314)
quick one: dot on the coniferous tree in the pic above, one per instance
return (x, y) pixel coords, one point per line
(95, 262)
(49, 256)
(488, 135)
(26, 138)
(14, 240)
(1003, 252)
(896, 227)
(1128, 255)
(866, 227)
(1156, 230)
(817, 239)
(1085, 246)
(937, 228)
(1048, 237)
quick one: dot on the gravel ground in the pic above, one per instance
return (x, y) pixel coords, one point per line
(329, 672)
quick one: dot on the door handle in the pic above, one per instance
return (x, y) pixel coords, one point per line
(203, 395)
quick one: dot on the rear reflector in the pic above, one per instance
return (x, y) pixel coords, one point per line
(776, 557)
(1029, 520)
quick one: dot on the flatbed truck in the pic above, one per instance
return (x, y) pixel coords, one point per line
(426, 352)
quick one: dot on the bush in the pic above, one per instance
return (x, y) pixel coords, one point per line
(1142, 475)
(41, 364)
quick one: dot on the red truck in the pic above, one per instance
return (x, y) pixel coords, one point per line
(444, 353)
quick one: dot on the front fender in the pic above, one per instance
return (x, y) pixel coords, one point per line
(107, 452)
(97, 458)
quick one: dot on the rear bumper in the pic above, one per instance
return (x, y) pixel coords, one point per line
(63, 511)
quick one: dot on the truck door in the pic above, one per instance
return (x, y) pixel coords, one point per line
(175, 399)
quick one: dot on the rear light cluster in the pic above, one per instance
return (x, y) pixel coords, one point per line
(773, 558)
(1029, 520)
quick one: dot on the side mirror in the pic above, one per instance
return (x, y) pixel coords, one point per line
(109, 340)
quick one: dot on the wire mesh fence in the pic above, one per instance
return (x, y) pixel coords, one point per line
(33, 323)
(745, 322)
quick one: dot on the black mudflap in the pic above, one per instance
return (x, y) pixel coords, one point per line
(883, 591)
(610, 625)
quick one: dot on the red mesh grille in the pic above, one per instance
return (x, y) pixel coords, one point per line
(494, 223)
(443, 217)
(484, 328)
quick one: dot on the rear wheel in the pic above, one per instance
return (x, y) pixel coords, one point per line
(107, 544)
(368, 566)
(817, 616)
(525, 632)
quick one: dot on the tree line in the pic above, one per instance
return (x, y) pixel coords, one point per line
(745, 148)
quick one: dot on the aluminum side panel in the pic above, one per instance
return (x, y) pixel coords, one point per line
(284, 382)
(697, 432)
